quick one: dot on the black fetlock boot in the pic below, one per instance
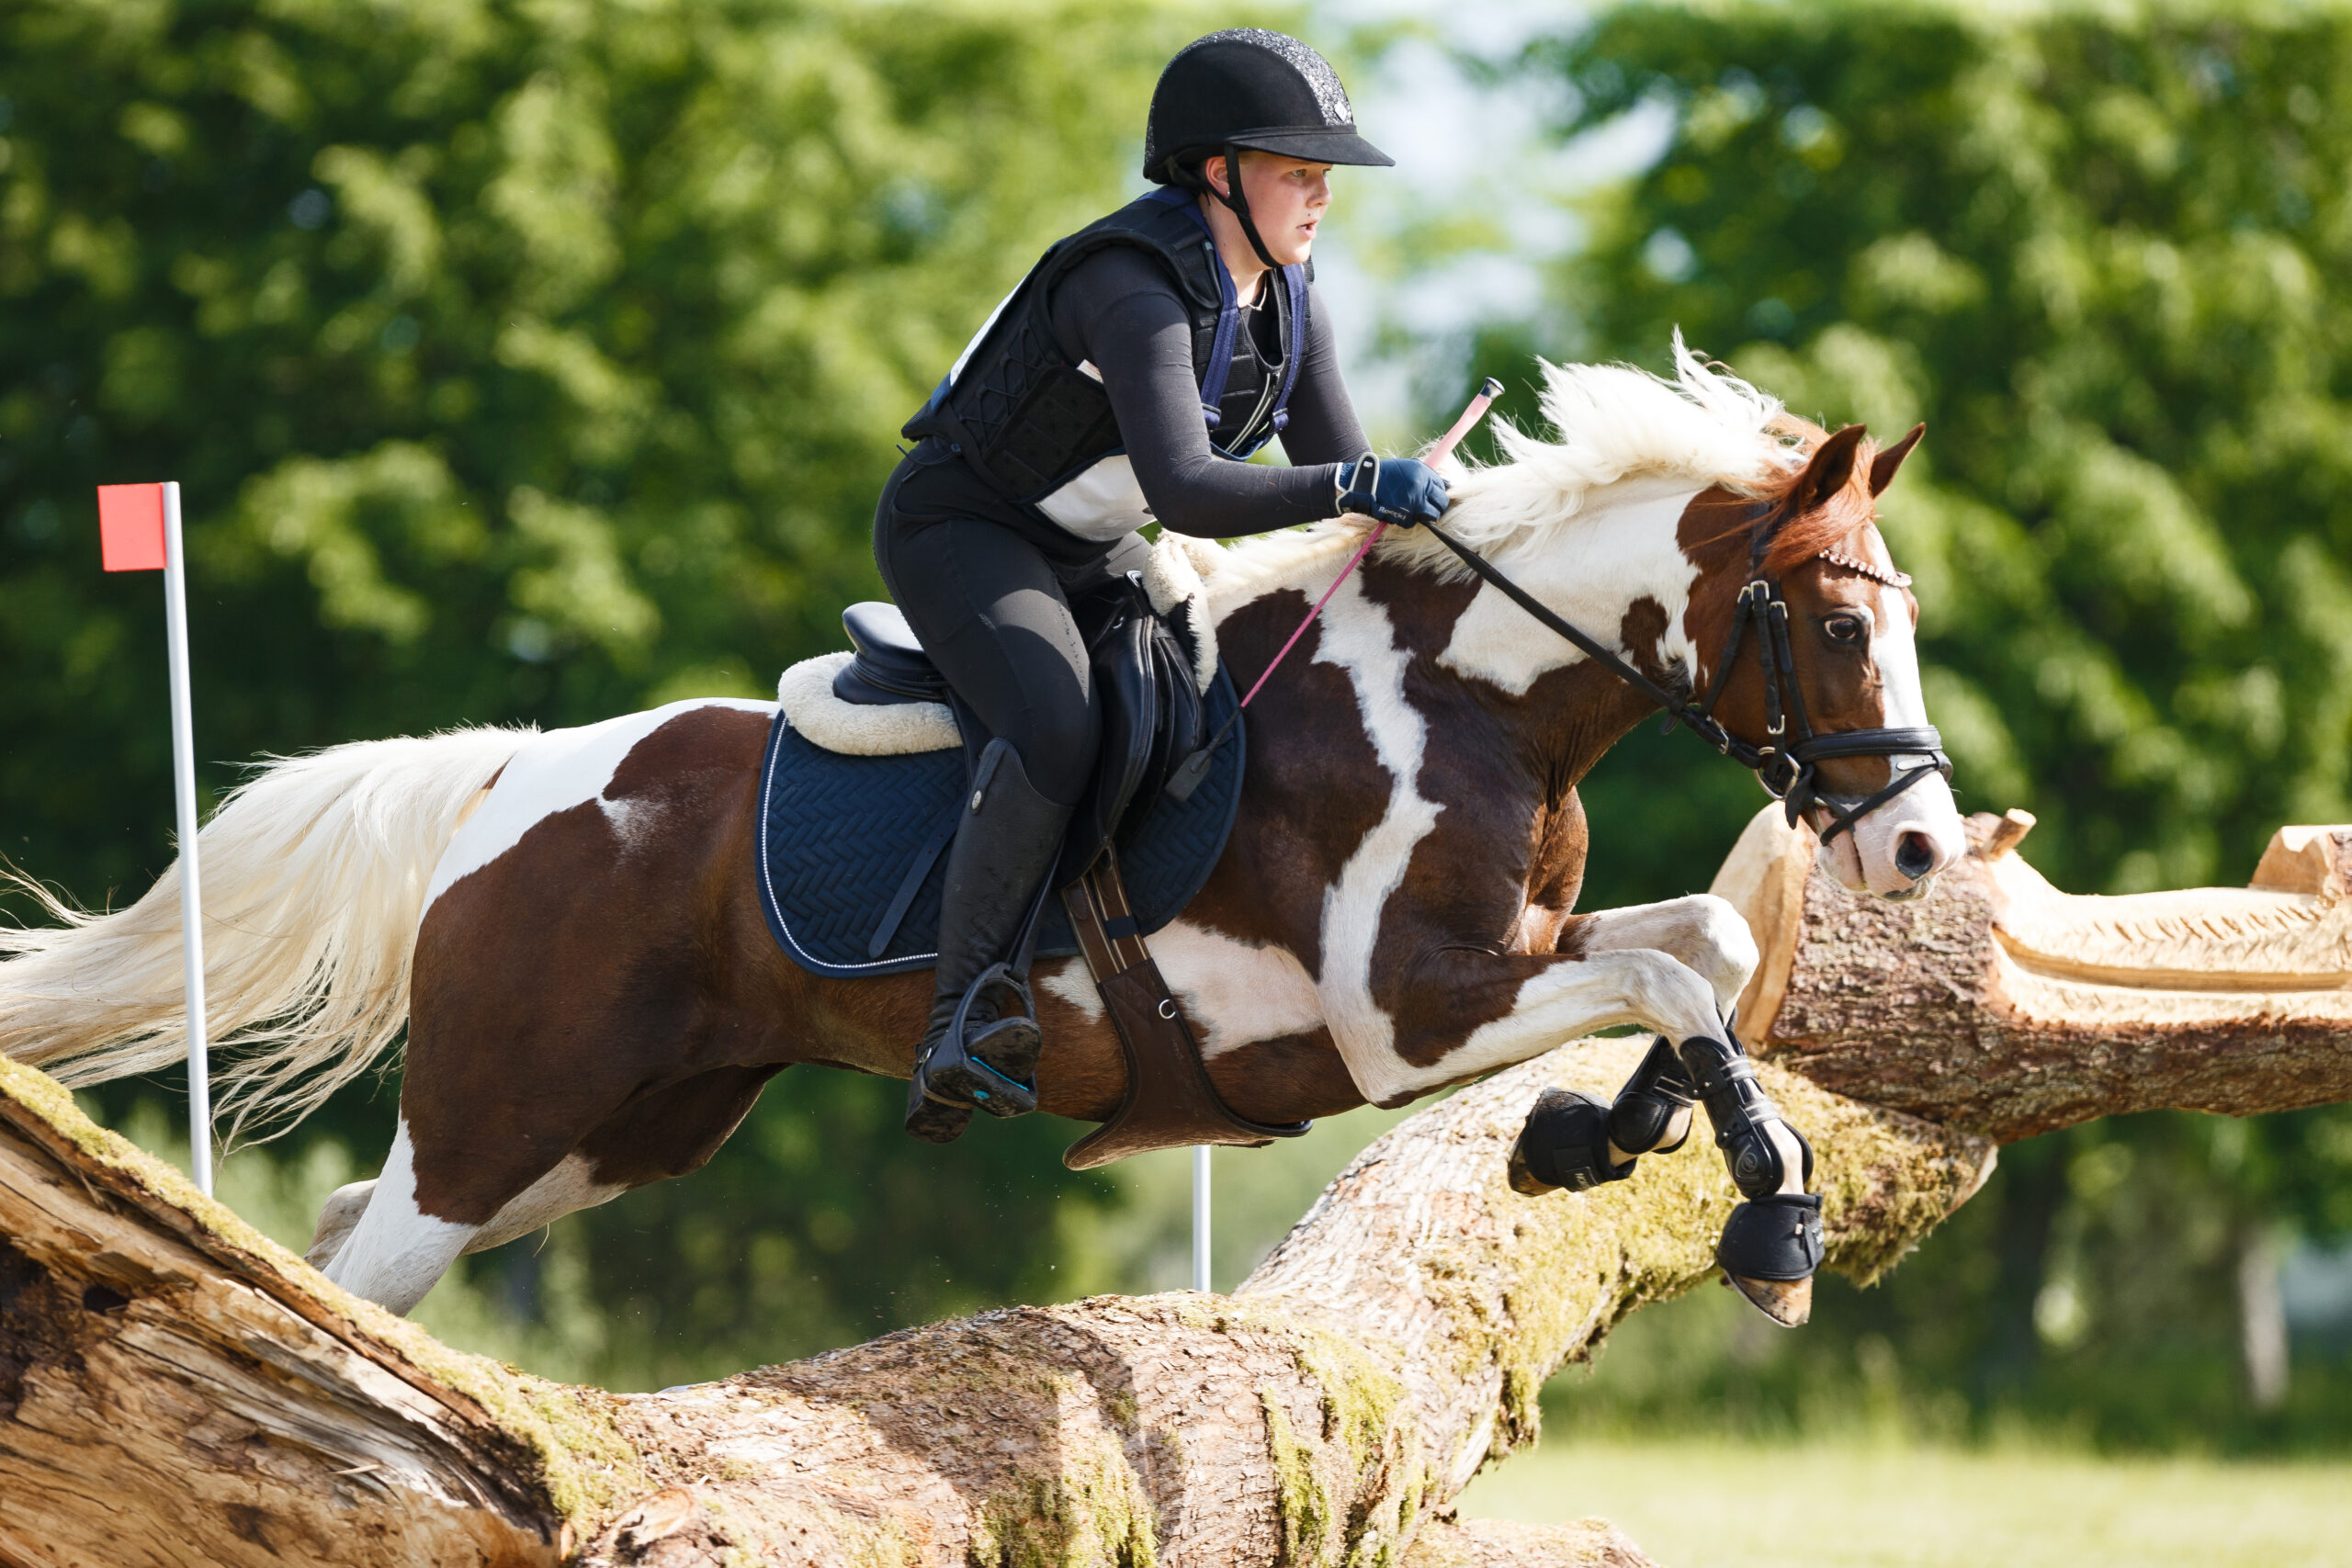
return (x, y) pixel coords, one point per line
(980, 1048)
(1772, 1243)
(1571, 1137)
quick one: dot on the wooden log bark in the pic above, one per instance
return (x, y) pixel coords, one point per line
(176, 1389)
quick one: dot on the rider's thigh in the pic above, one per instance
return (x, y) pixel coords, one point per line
(995, 620)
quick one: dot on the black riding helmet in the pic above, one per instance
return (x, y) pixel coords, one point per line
(1247, 88)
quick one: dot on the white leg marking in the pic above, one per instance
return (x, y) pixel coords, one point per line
(566, 1189)
(1702, 932)
(1236, 992)
(1575, 997)
(336, 1216)
(396, 1253)
(1358, 638)
(554, 772)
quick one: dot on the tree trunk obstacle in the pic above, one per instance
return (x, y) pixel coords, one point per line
(176, 1389)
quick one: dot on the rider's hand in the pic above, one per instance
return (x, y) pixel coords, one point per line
(1401, 491)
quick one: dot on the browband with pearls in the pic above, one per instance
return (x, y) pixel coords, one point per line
(1893, 579)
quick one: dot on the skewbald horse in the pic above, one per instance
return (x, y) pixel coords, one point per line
(568, 925)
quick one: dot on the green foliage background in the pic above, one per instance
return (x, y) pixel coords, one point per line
(538, 360)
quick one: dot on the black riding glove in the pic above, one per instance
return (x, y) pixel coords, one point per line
(1400, 492)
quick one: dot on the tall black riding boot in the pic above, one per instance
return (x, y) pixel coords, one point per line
(979, 1049)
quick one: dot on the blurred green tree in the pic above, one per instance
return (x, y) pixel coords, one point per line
(522, 363)
(2103, 255)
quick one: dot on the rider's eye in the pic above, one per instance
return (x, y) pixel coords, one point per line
(1848, 629)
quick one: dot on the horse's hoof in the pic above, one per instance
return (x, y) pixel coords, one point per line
(1788, 1302)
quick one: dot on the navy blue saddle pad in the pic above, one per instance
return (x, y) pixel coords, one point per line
(839, 835)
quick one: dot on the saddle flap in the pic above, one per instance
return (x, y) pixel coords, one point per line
(1127, 700)
(1178, 731)
(890, 665)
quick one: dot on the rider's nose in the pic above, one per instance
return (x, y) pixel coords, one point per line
(1915, 853)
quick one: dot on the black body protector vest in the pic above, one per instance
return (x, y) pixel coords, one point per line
(1040, 431)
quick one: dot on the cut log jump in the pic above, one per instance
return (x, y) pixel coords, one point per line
(176, 1389)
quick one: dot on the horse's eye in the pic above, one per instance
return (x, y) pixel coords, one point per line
(1851, 630)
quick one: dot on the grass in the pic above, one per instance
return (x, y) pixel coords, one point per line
(1706, 1502)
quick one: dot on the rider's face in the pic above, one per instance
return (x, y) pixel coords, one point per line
(1286, 197)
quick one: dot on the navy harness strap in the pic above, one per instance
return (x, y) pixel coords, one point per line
(1294, 284)
(917, 871)
(1228, 310)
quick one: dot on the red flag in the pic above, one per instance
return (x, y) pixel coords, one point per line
(130, 528)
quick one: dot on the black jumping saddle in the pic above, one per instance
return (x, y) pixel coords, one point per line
(1149, 709)
(1152, 722)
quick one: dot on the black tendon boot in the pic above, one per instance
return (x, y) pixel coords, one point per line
(979, 1049)
(1771, 1244)
(1570, 1134)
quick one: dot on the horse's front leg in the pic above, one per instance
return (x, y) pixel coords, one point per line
(1677, 968)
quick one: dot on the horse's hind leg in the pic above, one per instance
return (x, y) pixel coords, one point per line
(667, 1133)
(337, 1215)
(395, 1252)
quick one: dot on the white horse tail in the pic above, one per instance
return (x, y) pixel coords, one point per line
(313, 876)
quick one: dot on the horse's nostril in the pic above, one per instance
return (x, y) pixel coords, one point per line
(1915, 855)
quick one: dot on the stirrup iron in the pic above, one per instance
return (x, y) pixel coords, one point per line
(993, 1070)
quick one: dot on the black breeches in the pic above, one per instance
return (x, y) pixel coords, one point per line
(995, 613)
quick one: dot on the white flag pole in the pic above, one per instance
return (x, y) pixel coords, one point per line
(1201, 1217)
(199, 1080)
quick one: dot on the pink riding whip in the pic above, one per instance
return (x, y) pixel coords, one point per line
(1186, 778)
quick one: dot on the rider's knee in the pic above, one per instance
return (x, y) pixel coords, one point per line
(1059, 752)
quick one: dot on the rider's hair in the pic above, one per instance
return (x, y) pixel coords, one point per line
(1191, 169)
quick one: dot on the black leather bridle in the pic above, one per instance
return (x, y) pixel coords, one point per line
(1788, 766)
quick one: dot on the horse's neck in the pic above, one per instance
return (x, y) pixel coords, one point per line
(1476, 659)
(1617, 573)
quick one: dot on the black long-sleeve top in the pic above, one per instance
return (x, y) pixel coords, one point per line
(1120, 312)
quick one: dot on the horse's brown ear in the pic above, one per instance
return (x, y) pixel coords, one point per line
(1831, 470)
(1882, 467)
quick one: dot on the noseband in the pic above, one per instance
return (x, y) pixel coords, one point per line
(1788, 768)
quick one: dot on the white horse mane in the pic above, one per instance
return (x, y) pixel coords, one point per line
(1611, 423)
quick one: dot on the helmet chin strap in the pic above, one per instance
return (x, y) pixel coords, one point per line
(1238, 204)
